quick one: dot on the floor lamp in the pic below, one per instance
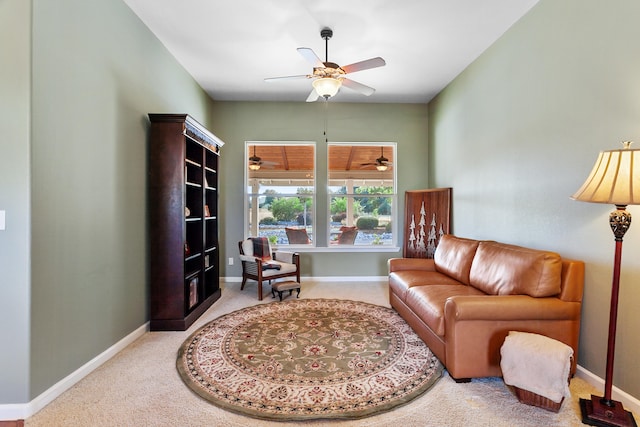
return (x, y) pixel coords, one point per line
(613, 180)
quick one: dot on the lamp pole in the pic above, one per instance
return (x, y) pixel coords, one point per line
(604, 411)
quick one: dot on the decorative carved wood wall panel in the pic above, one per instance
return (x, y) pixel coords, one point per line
(427, 218)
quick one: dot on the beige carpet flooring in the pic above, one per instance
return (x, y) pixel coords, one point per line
(140, 386)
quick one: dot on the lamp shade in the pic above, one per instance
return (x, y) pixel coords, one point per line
(615, 178)
(327, 86)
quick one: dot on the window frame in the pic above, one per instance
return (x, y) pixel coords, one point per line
(324, 222)
(247, 222)
(393, 245)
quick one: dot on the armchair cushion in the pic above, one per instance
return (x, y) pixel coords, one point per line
(285, 268)
(249, 247)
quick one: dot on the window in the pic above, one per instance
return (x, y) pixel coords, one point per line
(362, 194)
(359, 184)
(280, 191)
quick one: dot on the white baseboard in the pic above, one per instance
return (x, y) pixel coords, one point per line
(629, 402)
(234, 279)
(23, 411)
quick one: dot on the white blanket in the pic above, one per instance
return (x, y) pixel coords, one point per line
(537, 364)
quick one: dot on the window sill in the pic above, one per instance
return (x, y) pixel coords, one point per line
(337, 248)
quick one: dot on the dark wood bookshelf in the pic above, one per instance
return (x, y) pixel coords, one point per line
(184, 256)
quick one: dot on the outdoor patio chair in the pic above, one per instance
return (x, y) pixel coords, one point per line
(297, 236)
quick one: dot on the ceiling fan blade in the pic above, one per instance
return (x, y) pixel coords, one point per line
(312, 96)
(364, 65)
(358, 87)
(300, 76)
(310, 56)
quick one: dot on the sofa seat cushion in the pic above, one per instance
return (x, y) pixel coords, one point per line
(401, 281)
(427, 302)
(501, 269)
(454, 255)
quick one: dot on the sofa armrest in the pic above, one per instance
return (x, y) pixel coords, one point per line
(476, 327)
(509, 307)
(403, 264)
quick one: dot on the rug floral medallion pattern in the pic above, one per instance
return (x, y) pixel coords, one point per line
(308, 359)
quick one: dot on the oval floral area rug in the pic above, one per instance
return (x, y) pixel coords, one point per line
(308, 359)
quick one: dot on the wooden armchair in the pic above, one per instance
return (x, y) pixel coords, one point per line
(281, 264)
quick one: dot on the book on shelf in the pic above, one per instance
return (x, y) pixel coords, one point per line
(193, 292)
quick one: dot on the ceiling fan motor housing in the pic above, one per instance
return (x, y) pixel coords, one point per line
(330, 69)
(326, 33)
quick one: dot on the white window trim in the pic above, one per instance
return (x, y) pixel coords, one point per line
(394, 214)
(246, 215)
(313, 247)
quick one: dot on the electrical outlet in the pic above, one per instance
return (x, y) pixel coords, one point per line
(231, 261)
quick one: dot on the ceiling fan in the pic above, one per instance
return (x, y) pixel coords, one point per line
(381, 163)
(255, 162)
(329, 76)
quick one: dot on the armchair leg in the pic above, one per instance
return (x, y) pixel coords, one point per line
(244, 281)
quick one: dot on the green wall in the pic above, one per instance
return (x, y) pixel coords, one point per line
(80, 78)
(15, 40)
(237, 122)
(518, 132)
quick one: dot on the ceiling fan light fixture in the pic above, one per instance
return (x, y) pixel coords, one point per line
(254, 166)
(327, 86)
(382, 168)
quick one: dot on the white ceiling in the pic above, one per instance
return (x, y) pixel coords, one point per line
(229, 47)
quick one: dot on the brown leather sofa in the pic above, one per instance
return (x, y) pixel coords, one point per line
(464, 302)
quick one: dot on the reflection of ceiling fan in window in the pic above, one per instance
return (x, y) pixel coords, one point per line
(381, 163)
(255, 162)
(328, 77)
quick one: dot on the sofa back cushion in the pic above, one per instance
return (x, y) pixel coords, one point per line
(501, 269)
(454, 255)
